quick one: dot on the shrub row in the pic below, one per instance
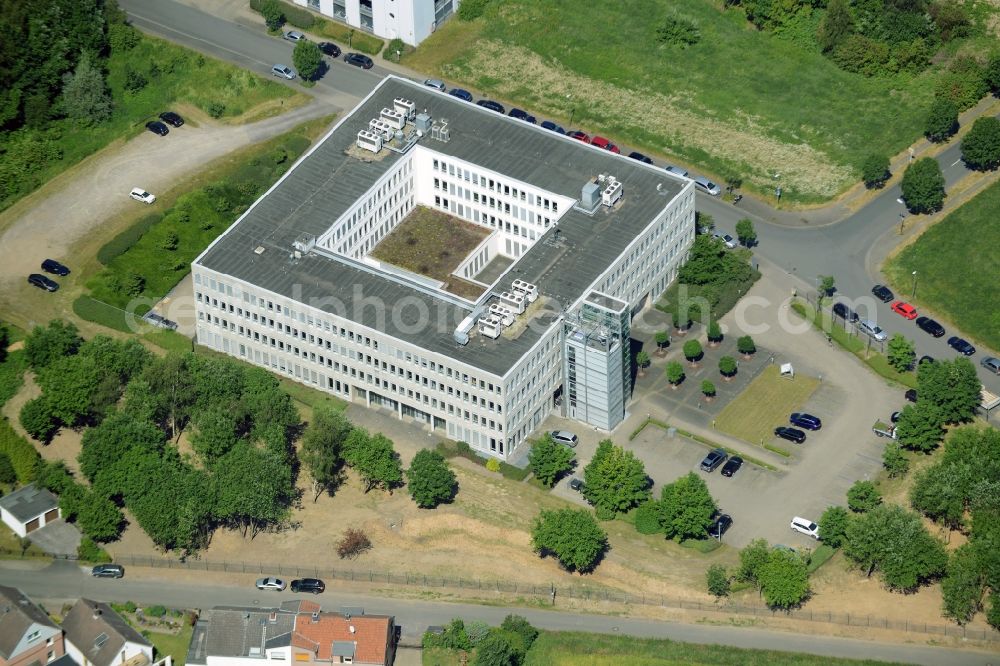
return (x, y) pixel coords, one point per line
(120, 244)
(22, 454)
(463, 450)
(307, 20)
(12, 374)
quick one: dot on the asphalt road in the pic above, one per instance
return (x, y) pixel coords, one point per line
(64, 581)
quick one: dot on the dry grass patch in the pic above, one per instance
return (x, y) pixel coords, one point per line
(764, 404)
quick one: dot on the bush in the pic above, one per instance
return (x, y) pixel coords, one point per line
(274, 18)
(692, 350)
(717, 580)
(942, 120)
(727, 366)
(875, 171)
(38, 420)
(7, 473)
(647, 518)
(493, 465)
(470, 10)
(216, 109)
(745, 345)
(22, 454)
(677, 31)
(894, 460)
(476, 631)
(88, 551)
(354, 543)
(714, 332)
(964, 84)
(518, 625)
(155, 611)
(708, 388)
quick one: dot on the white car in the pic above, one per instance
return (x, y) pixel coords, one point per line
(805, 526)
(677, 171)
(284, 71)
(275, 584)
(870, 328)
(142, 195)
(707, 186)
(295, 36)
(564, 437)
(730, 242)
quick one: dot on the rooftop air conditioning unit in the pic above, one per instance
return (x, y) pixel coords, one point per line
(369, 141)
(590, 196)
(490, 326)
(529, 290)
(513, 301)
(381, 128)
(613, 191)
(395, 119)
(405, 107)
(505, 315)
(423, 123)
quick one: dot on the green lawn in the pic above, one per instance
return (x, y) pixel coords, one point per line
(765, 404)
(740, 100)
(958, 268)
(175, 645)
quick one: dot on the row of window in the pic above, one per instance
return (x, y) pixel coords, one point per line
(505, 189)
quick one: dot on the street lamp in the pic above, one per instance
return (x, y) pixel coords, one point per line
(914, 294)
(902, 216)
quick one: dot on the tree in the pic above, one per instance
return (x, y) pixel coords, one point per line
(430, 480)
(714, 332)
(894, 461)
(920, 426)
(274, 17)
(981, 146)
(572, 536)
(85, 96)
(254, 488)
(682, 320)
(745, 345)
(963, 585)
(322, 449)
(99, 518)
(517, 624)
(745, 232)
(895, 542)
(308, 59)
(615, 480)
(863, 496)
(215, 434)
(783, 579)
(375, 459)
(674, 372)
(45, 344)
(875, 171)
(923, 186)
(752, 558)
(952, 386)
(687, 508)
(642, 360)
(7, 472)
(942, 120)
(69, 385)
(662, 340)
(836, 25)
(833, 526)
(38, 420)
(708, 389)
(902, 352)
(495, 650)
(727, 366)
(692, 351)
(353, 543)
(549, 460)
(171, 389)
(827, 285)
(717, 580)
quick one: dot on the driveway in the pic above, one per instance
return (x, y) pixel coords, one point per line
(57, 538)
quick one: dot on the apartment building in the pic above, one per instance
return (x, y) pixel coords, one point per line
(27, 635)
(409, 20)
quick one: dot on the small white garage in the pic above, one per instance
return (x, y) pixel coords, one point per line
(28, 509)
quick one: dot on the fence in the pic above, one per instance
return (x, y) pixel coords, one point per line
(555, 593)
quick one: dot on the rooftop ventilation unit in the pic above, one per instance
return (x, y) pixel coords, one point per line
(304, 243)
(513, 301)
(369, 141)
(382, 128)
(395, 119)
(529, 290)
(404, 107)
(461, 333)
(423, 123)
(613, 191)
(590, 196)
(505, 315)
(491, 326)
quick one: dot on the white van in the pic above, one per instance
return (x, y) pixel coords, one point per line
(805, 526)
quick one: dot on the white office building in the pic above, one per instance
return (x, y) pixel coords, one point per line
(534, 319)
(410, 20)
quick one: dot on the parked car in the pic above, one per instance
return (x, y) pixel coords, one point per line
(961, 345)
(926, 359)
(805, 526)
(313, 585)
(359, 60)
(844, 312)
(171, 118)
(437, 84)
(904, 310)
(714, 458)
(295, 36)
(43, 282)
(791, 434)
(54, 267)
(928, 325)
(719, 526)
(491, 105)
(870, 328)
(330, 49)
(552, 127)
(576, 484)
(270, 583)
(579, 135)
(108, 571)
(730, 241)
(564, 437)
(911, 395)
(732, 466)
(807, 421)
(707, 186)
(463, 95)
(880, 429)
(883, 293)
(521, 114)
(991, 363)
(601, 142)
(639, 157)
(142, 195)
(676, 170)
(284, 71)
(156, 127)
(894, 417)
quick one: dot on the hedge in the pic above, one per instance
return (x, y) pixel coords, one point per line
(12, 374)
(101, 313)
(120, 244)
(22, 454)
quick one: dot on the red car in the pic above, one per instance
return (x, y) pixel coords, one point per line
(579, 135)
(601, 142)
(904, 310)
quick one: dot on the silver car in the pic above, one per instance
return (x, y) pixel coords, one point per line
(677, 171)
(284, 71)
(991, 363)
(295, 36)
(564, 437)
(868, 327)
(707, 186)
(437, 84)
(270, 583)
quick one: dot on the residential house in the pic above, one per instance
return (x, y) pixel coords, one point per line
(29, 508)
(28, 637)
(97, 636)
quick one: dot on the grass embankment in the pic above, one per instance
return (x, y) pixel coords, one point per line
(957, 268)
(765, 404)
(785, 110)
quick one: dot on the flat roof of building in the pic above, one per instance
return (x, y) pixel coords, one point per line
(327, 182)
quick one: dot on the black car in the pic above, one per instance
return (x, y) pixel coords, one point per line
(359, 60)
(108, 571)
(722, 522)
(928, 325)
(491, 105)
(552, 127)
(312, 585)
(732, 466)
(171, 118)
(925, 359)
(883, 293)
(807, 421)
(156, 127)
(463, 95)
(844, 312)
(43, 282)
(576, 484)
(911, 395)
(640, 157)
(961, 346)
(54, 267)
(521, 114)
(330, 49)
(714, 458)
(791, 434)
